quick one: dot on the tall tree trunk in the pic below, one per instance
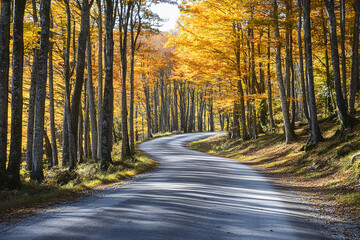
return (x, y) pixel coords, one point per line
(343, 54)
(355, 59)
(123, 25)
(315, 130)
(269, 88)
(327, 65)
(66, 120)
(100, 81)
(4, 79)
(31, 107)
(284, 108)
(107, 124)
(301, 60)
(13, 169)
(52, 107)
(79, 81)
(91, 100)
(37, 166)
(344, 117)
(148, 110)
(133, 41)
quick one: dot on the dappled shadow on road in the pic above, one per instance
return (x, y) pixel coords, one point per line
(191, 196)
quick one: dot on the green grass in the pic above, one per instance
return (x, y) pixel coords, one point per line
(60, 184)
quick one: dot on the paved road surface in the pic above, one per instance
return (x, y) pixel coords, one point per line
(191, 196)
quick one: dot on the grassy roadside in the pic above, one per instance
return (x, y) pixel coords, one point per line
(60, 185)
(330, 169)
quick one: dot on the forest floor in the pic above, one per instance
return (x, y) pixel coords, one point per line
(328, 176)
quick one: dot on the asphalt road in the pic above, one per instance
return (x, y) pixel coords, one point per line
(191, 195)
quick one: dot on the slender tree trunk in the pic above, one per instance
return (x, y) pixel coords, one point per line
(91, 100)
(124, 23)
(344, 117)
(100, 82)
(4, 79)
(37, 166)
(31, 108)
(315, 130)
(52, 107)
(269, 88)
(13, 169)
(301, 60)
(285, 112)
(66, 120)
(79, 81)
(107, 124)
(355, 59)
(148, 110)
(343, 54)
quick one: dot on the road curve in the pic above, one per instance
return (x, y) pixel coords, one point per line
(191, 195)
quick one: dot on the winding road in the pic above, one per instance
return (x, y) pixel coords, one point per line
(191, 195)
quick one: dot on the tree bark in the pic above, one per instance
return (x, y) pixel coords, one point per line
(343, 54)
(301, 60)
(344, 117)
(4, 79)
(355, 59)
(315, 130)
(79, 81)
(31, 107)
(66, 120)
(107, 124)
(100, 81)
(52, 108)
(269, 88)
(13, 169)
(91, 100)
(37, 166)
(284, 108)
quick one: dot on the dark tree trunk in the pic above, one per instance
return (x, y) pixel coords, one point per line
(148, 110)
(37, 166)
(107, 124)
(327, 65)
(176, 113)
(355, 59)
(100, 82)
(66, 120)
(343, 54)
(301, 60)
(91, 100)
(344, 117)
(315, 130)
(52, 108)
(284, 108)
(4, 79)
(79, 81)
(123, 25)
(13, 169)
(269, 88)
(31, 108)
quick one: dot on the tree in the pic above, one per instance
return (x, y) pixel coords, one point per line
(315, 130)
(79, 81)
(37, 166)
(355, 59)
(107, 118)
(285, 112)
(343, 115)
(13, 169)
(4, 80)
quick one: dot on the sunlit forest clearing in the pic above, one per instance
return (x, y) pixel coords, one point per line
(83, 82)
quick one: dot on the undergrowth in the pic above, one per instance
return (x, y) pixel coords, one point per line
(60, 184)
